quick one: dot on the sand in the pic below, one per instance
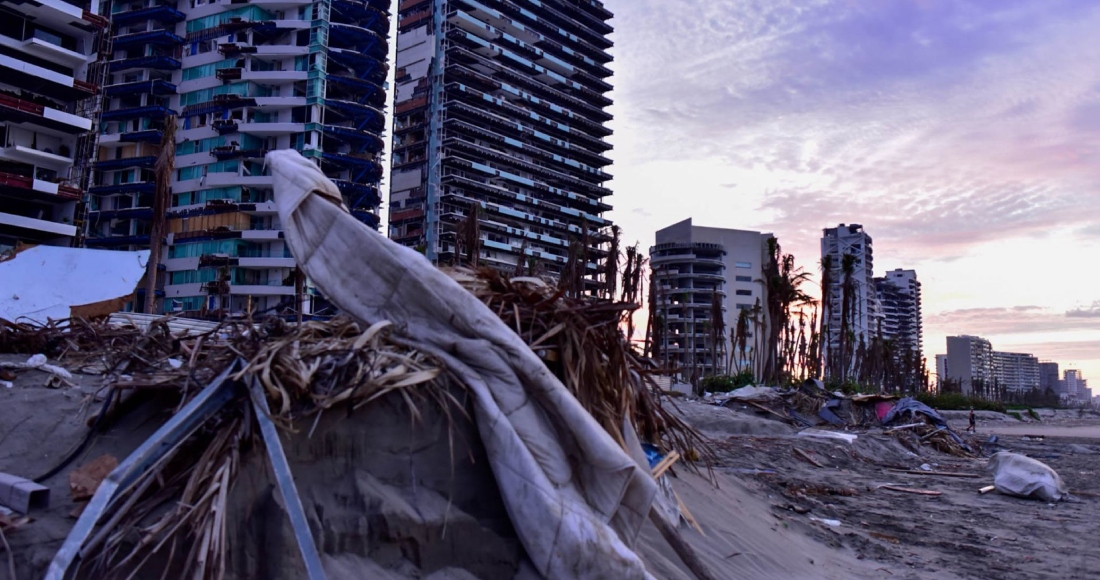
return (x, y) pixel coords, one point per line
(394, 508)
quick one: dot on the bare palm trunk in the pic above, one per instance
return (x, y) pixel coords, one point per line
(165, 164)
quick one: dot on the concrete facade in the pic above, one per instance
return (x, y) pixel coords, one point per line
(48, 94)
(1015, 371)
(744, 253)
(836, 243)
(969, 361)
(899, 297)
(501, 106)
(240, 79)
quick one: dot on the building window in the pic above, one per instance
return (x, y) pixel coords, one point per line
(744, 306)
(744, 292)
(745, 265)
(744, 278)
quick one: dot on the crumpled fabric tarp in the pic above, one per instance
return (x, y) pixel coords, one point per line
(910, 407)
(576, 499)
(1022, 476)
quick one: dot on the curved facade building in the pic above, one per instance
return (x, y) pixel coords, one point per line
(241, 79)
(688, 278)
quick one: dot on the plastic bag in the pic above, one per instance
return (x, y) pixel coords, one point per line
(1022, 476)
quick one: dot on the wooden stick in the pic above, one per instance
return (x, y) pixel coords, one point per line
(940, 430)
(910, 490)
(665, 464)
(904, 427)
(939, 473)
(986, 489)
(807, 457)
(683, 549)
(687, 514)
(763, 408)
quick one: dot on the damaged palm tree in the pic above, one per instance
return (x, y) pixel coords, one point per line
(163, 169)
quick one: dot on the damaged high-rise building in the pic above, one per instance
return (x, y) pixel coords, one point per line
(500, 114)
(49, 77)
(233, 80)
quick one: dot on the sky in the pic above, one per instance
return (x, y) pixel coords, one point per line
(963, 135)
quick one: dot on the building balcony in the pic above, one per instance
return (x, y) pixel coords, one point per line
(359, 194)
(47, 82)
(271, 129)
(123, 188)
(229, 74)
(147, 136)
(164, 14)
(150, 62)
(129, 213)
(146, 112)
(37, 188)
(151, 87)
(31, 156)
(225, 126)
(45, 48)
(231, 49)
(19, 110)
(145, 162)
(35, 228)
(358, 139)
(227, 179)
(151, 37)
(117, 241)
(232, 152)
(363, 40)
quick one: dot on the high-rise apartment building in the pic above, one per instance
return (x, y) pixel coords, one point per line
(690, 266)
(48, 93)
(863, 312)
(899, 297)
(500, 109)
(1077, 387)
(237, 80)
(970, 362)
(1050, 378)
(1016, 372)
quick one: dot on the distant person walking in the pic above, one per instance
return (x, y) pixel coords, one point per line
(972, 428)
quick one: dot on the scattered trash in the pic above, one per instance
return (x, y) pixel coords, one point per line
(39, 362)
(910, 490)
(827, 522)
(1021, 476)
(807, 457)
(925, 467)
(7, 384)
(84, 480)
(987, 489)
(175, 363)
(819, 434)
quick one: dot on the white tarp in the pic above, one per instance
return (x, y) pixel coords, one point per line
(576, 499)
(46, 282)
(1022, 476)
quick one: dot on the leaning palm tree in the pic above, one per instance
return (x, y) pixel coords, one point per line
(165, 165)
(825, 354)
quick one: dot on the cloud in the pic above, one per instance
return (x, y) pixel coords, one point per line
(944, 124)
(1092, 311)
(1068, 354)
(1005, 321)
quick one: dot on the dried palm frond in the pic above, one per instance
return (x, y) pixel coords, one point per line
(581, 341)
